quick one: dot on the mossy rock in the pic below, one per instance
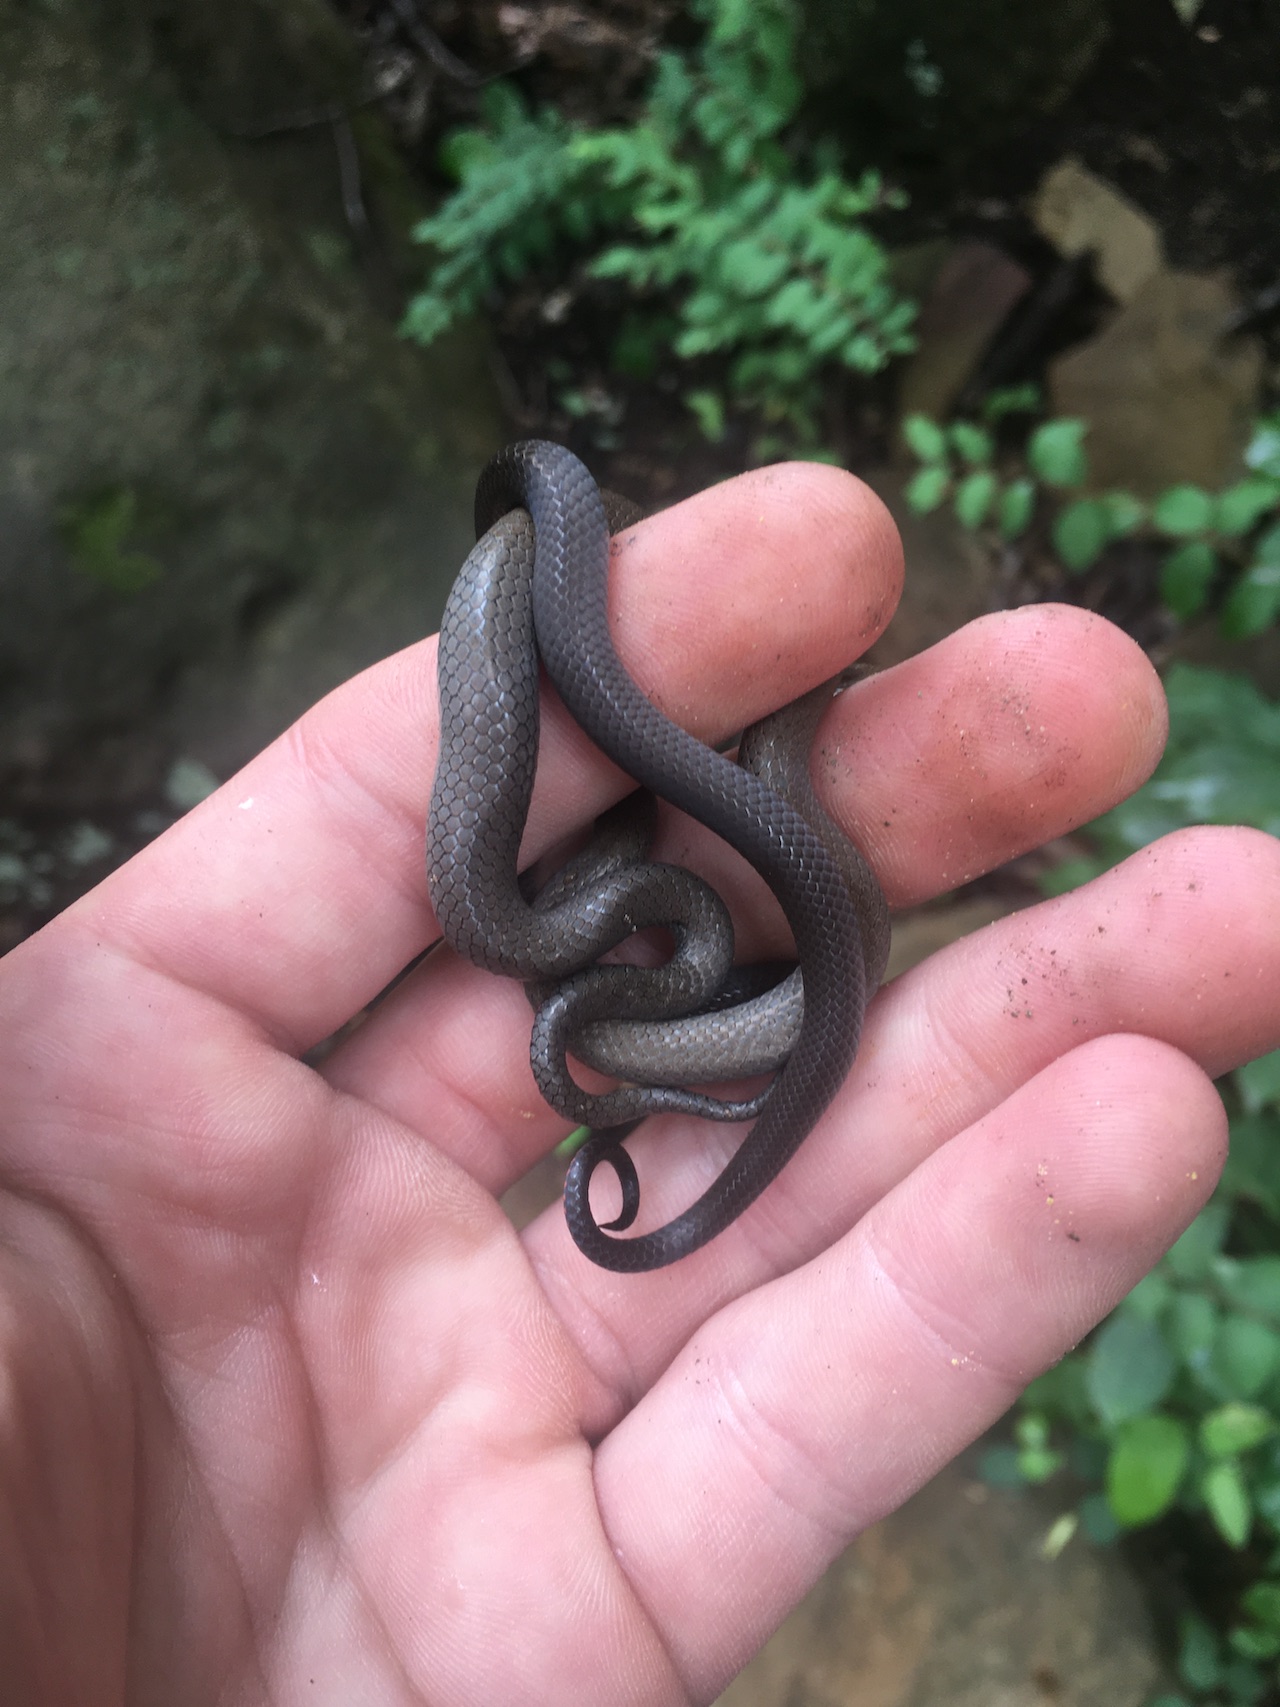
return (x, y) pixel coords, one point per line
(225, 480)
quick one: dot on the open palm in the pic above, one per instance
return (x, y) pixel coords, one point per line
(288, 1411)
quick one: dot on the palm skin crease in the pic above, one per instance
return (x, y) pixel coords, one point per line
(290, 1413)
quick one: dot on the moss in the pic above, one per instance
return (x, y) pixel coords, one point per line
(98, 530)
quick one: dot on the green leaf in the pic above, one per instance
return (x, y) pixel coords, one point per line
(1243, 1682)
(1012, 400)
(1241, 506)
(1037, 1460)
(1193, 1327)
(1252, 1171)
(1001, 1467)
(1145, 1469)
(976, 447)
(1266, 1502)
(1253, 1284)
(1235, 1428)
(426, 317)
(1221, 764)
(708, 410)
(574, 1142)
(1263, 453)
(1267, 547)
(1150, 1297)
(1255, 1644)
(1031, 1430)
(925, 437)
(1183, 511)
(1056, 453)
(503, 106)
(97, 532)
(1223, 1490)
(1129, 1368)
(1253, 603)
(1199, 1661)
(1036, 1466)
(1016, 508)
(1187, 576)
(1261, 1601)
(641, 343)
(974, 496)
(1072, 874)
(1191, 1258)
(1061, 1392)
(1080, 532)
(1259, 1083)
(755, 270)
(1245, 1356)
(927, 490)
(1124, 513)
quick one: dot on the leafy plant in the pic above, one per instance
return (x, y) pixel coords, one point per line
(1174, 1402)
(98, 531)
(1210, 539)
(1221, 765)
(732, 242)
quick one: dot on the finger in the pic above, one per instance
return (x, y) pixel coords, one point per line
(1180, 943)
(1027, 724)
(296, 892)
(1017, 728)
(809, 1409)
(1020, 727)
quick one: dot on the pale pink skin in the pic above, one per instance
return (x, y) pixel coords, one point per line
(290, 1414)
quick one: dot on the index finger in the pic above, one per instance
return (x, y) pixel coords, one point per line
(296, 892)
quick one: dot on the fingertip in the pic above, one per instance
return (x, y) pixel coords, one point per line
(746, 595)
(1107, 672)
(1092, 1169)
(1017, 728)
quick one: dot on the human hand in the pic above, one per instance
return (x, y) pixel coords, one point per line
(290, 1411)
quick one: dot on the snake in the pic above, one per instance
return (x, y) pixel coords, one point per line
(535, 589)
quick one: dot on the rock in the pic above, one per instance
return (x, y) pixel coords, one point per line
(225, 482)
(951, 1600)
(1167, 398)
(972, 294)
(1076, 212)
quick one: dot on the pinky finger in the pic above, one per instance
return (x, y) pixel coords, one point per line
(809, 1408)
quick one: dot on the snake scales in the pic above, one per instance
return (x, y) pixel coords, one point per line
(535, 586)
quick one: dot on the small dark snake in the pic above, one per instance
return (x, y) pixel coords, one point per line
(536, 586)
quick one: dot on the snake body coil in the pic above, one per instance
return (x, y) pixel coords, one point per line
(555, 584)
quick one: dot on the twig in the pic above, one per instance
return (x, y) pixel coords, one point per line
(353, 204)
(301, 118)
(349, 177)
(429, 44)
